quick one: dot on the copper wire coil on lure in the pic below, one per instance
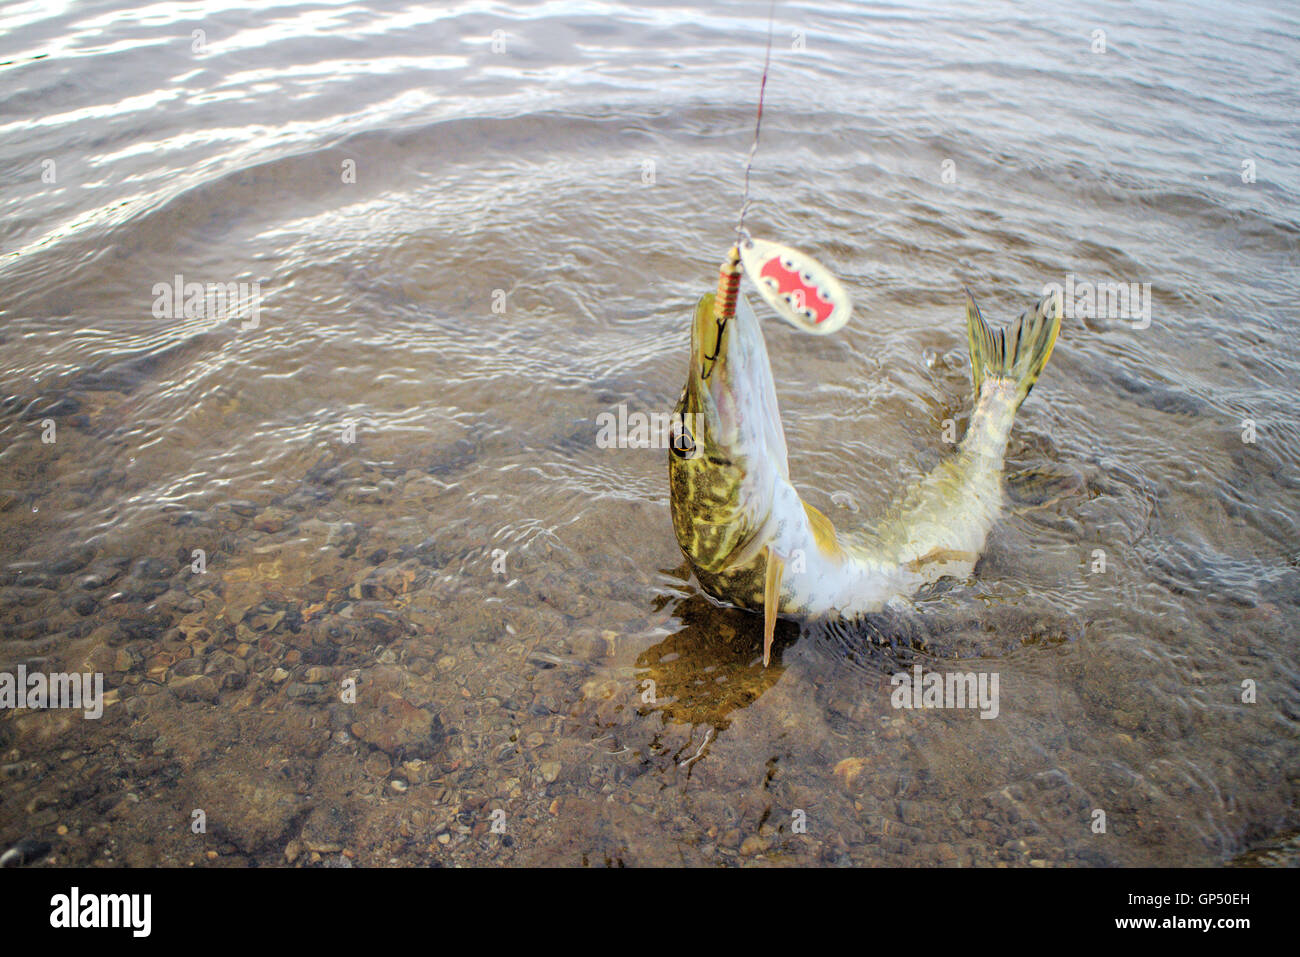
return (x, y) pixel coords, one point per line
(724, 303)
(724, 307)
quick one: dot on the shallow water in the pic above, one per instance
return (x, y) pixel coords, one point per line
(469, 246)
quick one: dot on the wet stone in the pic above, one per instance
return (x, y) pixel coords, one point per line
(127, 659)
(398, 728)
(753, 845)
(428, 552)
(27, 851)
(306, 499)
(98, 577)
(304, 692)
(589, 647)
(152, 569)
(187, 667)
(252, 808)
(195, 688)
(272, 520)
(21, 596)
(33, 579)
(377, 764)
(186, 604)
(148, 629)
(319, 655)
(145, 590)
(74, 561)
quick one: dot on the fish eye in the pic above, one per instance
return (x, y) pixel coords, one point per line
(681, 441)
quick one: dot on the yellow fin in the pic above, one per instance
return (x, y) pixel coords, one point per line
(823, 532)
(1017, 353)
(771, 601)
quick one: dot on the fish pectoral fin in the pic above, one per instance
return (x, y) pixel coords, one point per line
(771, 601)
(823, 533)
(940, 556)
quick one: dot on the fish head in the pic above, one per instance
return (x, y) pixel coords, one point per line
(727, 449)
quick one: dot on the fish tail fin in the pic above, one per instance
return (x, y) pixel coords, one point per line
(1017, 353)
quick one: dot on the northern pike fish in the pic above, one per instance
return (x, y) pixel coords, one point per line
(753, 542)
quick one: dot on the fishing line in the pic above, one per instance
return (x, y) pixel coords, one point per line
(800, 289)
(724, 303)
(758, 124)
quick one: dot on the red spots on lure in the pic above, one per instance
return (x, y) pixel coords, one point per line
(790, 282)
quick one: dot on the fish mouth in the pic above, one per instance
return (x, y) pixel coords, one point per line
(713, 390)
(730, 388)
(709, 341)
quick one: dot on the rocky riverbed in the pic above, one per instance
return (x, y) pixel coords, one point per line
(332, 690)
